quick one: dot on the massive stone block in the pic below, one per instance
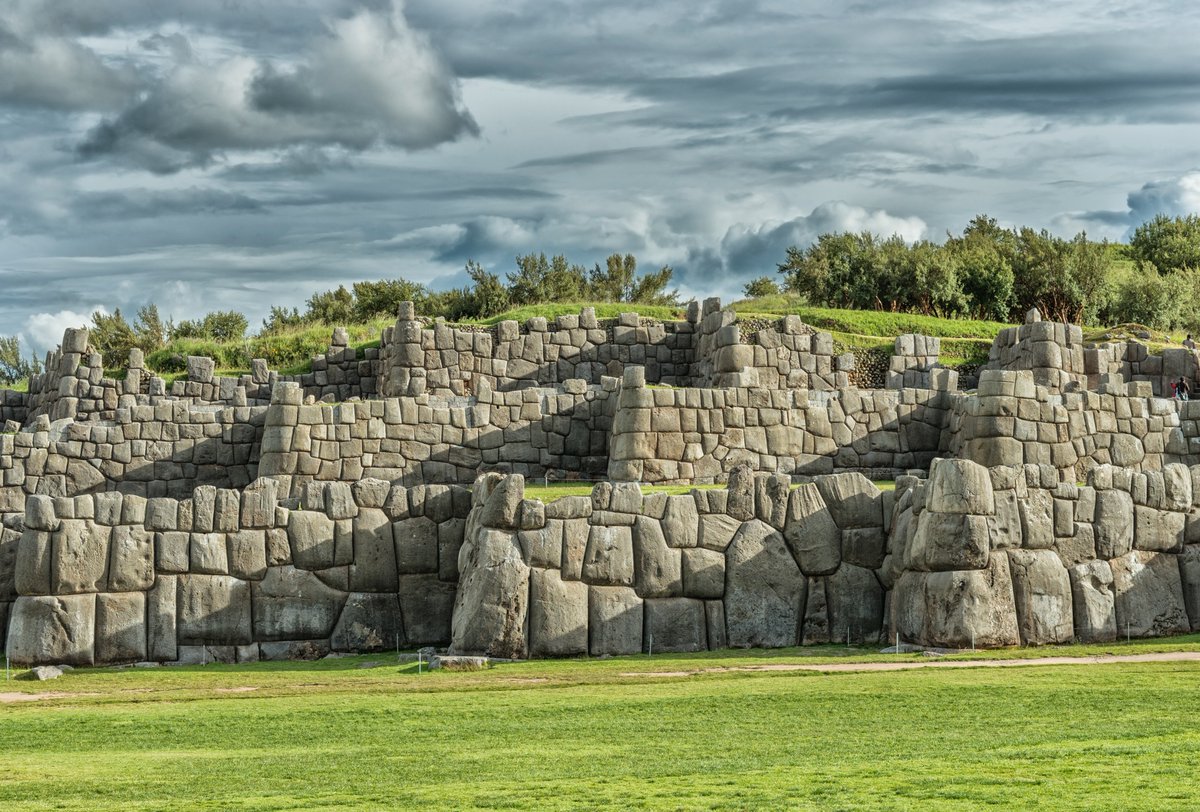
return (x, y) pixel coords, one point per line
(79, 557)
(853, 500)
(615, 617)
(32, 576)
(608, 560)
(681, 522)
(52, 629)
(131, 559)
(1113, 523)
(950, 541)
(558, 615)
(764, 589)
(368, 622)
(213, 609)
(1093, 602)
(675, 625)
(812, 536)
(312, 539)
(120, 627)
(161, 601)
(960, 486)
(290, 604)
(1189, 573)
(1158, 530)
(491, 607)
(657, 567)
(1149, 595)
(956, 609)
(427, 607)
(1042, 590)
(854, 599)
(374, 568)
(703, 573)
(416, 546)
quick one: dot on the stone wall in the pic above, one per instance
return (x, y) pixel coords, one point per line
(1013, 421)
(701, 435)
(231, 575)
(430, 438)
(1011, 556)
(1052, 351)
(622, 571)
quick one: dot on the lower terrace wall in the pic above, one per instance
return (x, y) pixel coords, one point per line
(232, 576)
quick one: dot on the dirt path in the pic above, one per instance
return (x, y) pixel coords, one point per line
(1101, 659)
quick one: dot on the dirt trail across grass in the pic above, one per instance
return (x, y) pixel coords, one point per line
(1102, 659)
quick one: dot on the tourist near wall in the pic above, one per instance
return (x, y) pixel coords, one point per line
(378, 500)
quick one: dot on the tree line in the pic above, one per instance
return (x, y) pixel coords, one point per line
(995, 273)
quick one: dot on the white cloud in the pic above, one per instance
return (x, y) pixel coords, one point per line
(45, 330)
(753, 250)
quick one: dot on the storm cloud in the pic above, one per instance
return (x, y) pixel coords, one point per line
(208, 154)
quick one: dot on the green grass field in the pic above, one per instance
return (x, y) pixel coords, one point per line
(603, 733)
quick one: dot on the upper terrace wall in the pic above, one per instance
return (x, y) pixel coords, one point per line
(701, 435)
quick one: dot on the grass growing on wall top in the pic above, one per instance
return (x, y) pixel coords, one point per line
(557, 490)
(575, 734)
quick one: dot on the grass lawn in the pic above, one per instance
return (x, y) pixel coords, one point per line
(575, 733)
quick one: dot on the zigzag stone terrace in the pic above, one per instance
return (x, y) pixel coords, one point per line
(379, 501)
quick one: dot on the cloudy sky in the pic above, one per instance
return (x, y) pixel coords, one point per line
(214, 154)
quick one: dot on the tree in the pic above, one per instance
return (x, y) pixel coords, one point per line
(113, 337)
(539, 279)
(1168, 243)
(333, 307)
(13, 367)
(281, 319)
(760, 287)
(220, 325)
(383, 298)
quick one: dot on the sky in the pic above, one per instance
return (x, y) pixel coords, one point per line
(239, 154)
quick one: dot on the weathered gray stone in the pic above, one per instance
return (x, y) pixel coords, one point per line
(491, 608)
(575, 539)
(1093, 602)
(740, 504)
(960, 486)
(502, 508)
(854, 599)
(657, 567)
(172, 551)
(52, 629)
(959, 608)
(290, 604)
(368, 622)
(374, 567)
(1189, 574)
(1042, 592)
(949, 541)
(209, 554)
(426, 606)
(543, 547)
(131, 559)
(675, 625)
(79, 557)
(558, 615)
(681, 523)
(864, 546)
(852, 499)
(33, 564)
(1113, 524)
(703, 573)
(716, 531)
(39, 513)
(1037, 520)
(161, 644)
(213, 609)
(1158, 530)
(614, 620)
(608, 560)
(310, 534)
(764, 590)
(812, 535)
(1149, 595)
(416, 546)
(247, 554)
(120, 627)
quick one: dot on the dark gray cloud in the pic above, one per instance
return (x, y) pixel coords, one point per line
(243, 153)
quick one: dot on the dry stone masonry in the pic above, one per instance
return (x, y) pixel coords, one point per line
(379, 500)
